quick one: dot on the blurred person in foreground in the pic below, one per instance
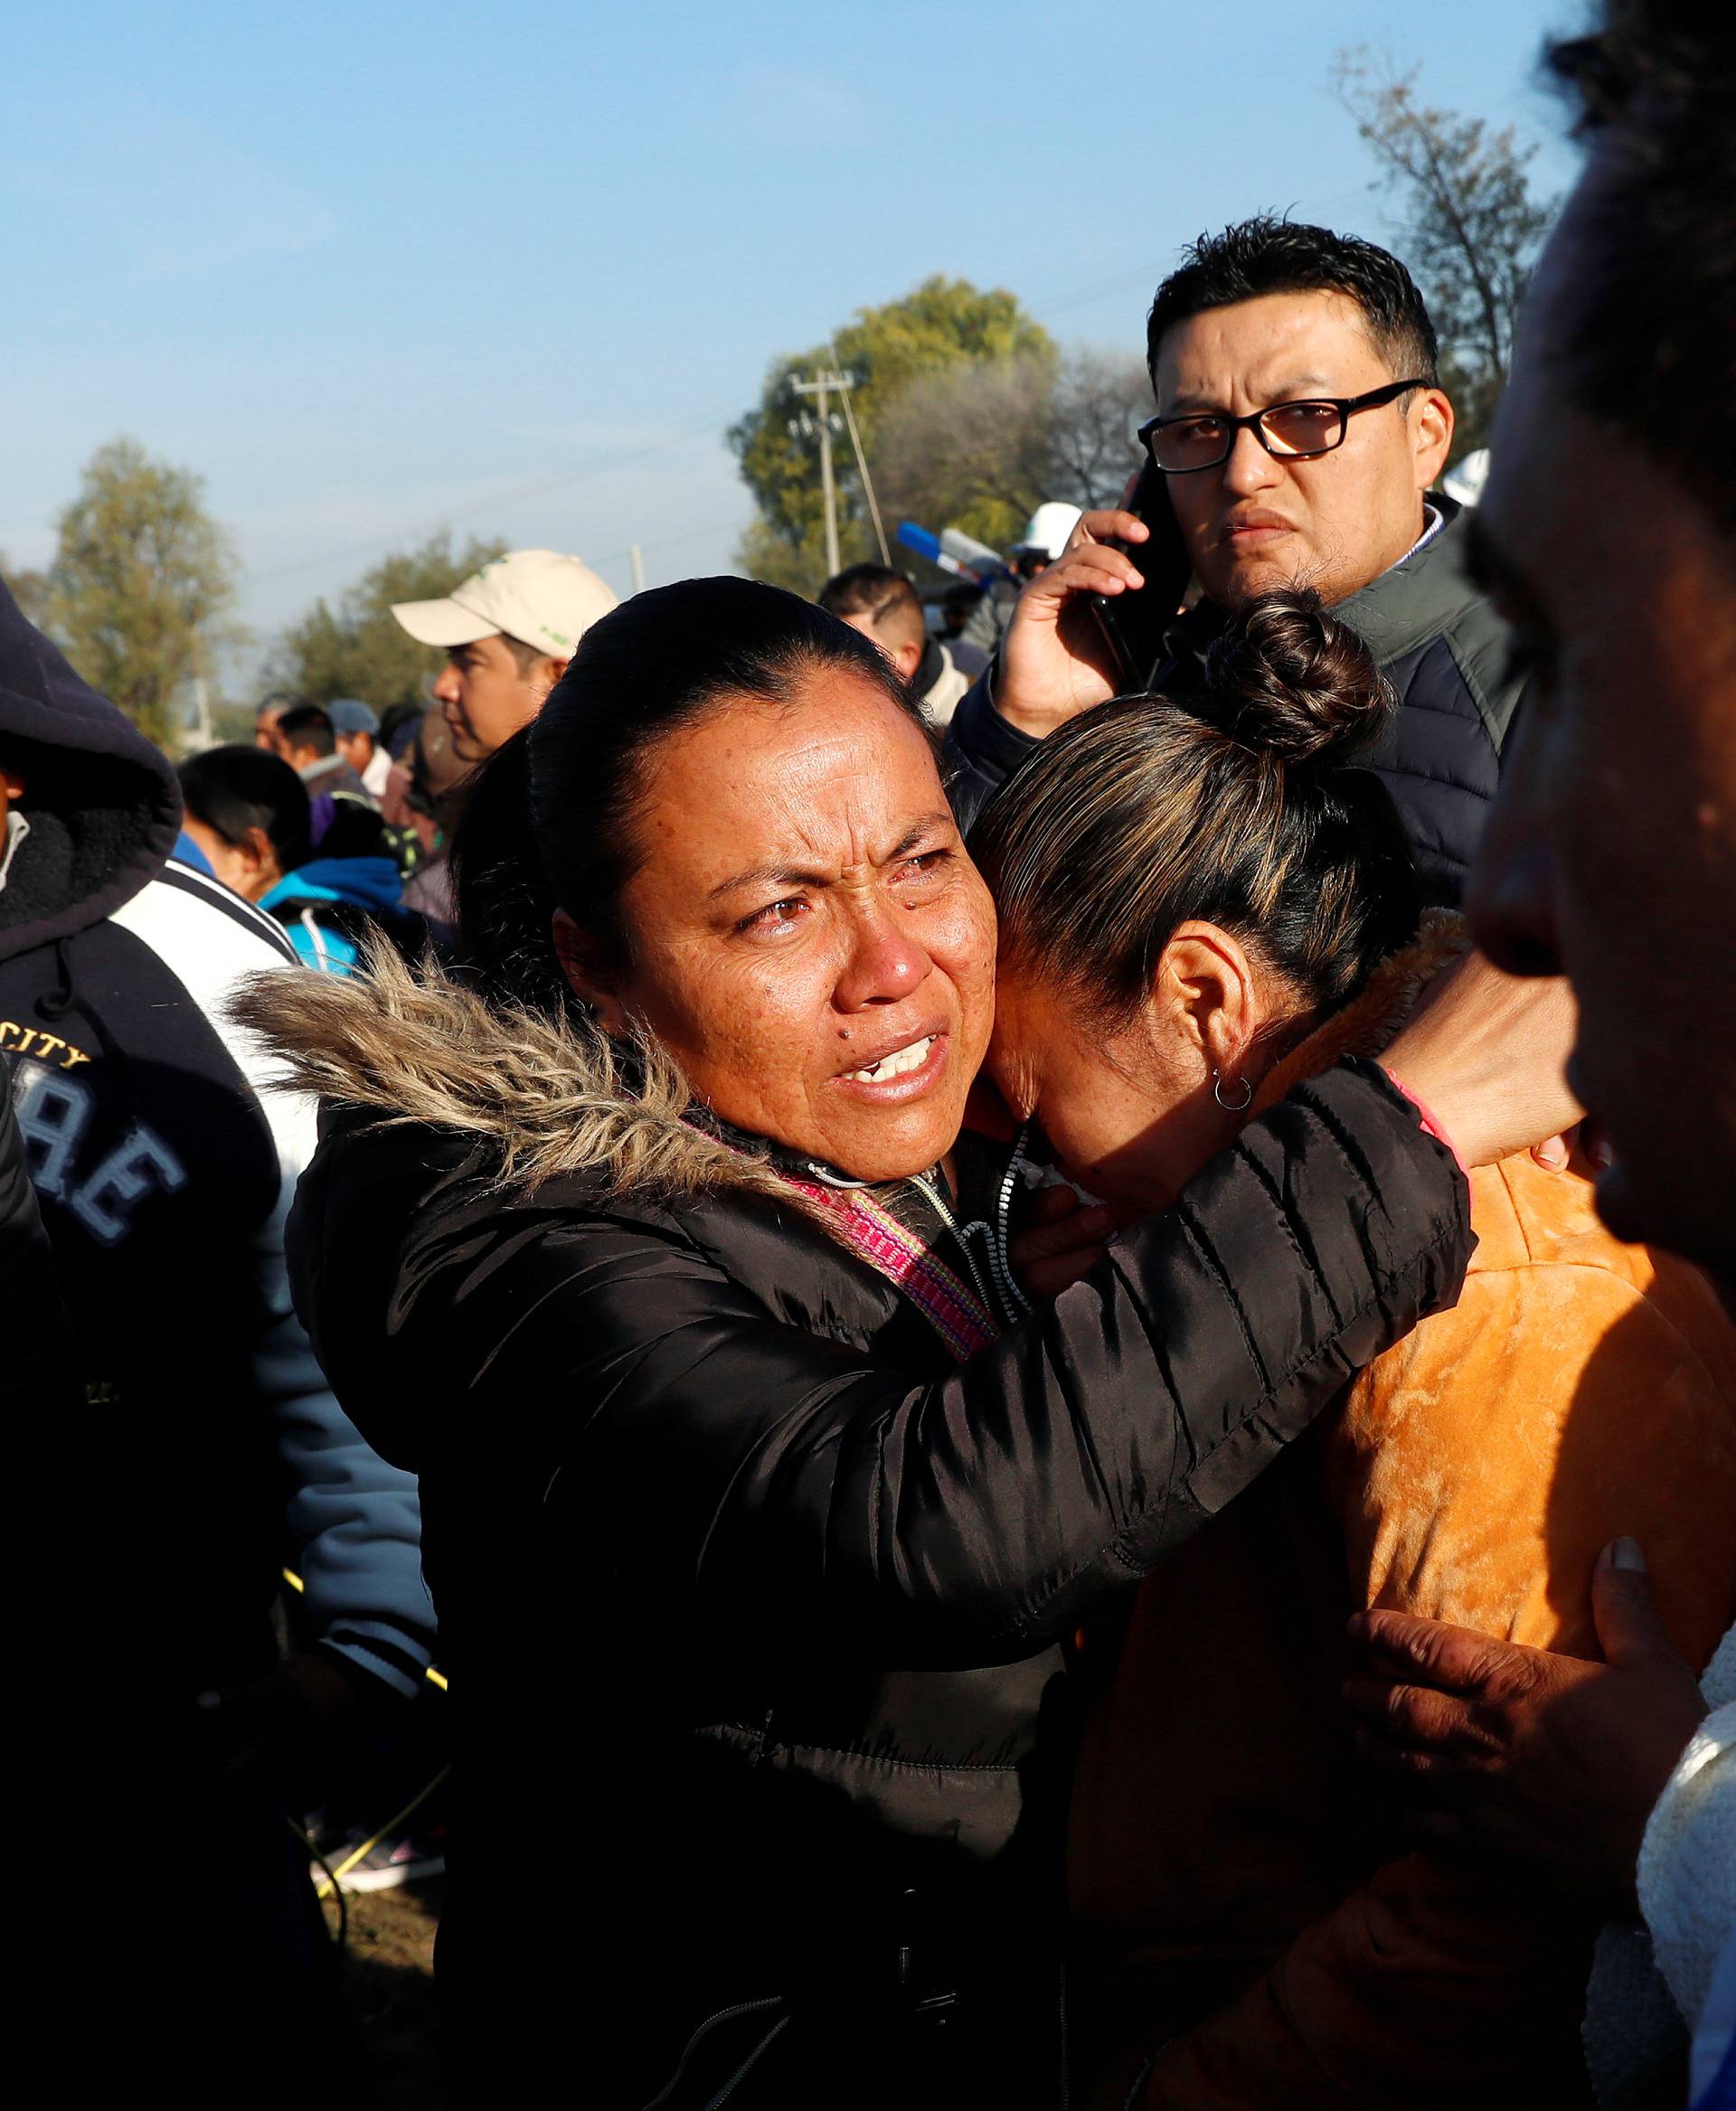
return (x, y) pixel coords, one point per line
(509, 631)
(1607, 538)
(882, 605)
(783, 1461)
(1198, 906)
(205, 1448)
(1300, 434)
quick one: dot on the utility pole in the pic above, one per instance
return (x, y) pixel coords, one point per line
(817, 387)
(861, 460)
(637, 559)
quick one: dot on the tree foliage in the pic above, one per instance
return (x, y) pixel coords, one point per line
(944, 323)
(140, 584)
(1471, 225)
(358, 647)
(979, 446)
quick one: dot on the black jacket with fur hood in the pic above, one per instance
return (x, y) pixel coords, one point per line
(750, 1595)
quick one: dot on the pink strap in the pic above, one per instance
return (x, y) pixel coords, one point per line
(1430, 1126)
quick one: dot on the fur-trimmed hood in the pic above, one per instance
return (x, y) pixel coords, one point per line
(543, 1097)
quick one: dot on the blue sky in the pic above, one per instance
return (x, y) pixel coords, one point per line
(373, 269)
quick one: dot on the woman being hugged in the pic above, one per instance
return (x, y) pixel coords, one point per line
(1199, 907)
(756, 1501)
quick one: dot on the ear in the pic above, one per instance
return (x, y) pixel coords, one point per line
(544, 674)
(1205, 989)
(1432, 433)
(587, 974)
(262, 857)
(906, 657)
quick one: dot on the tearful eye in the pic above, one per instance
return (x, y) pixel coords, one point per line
(776, 916)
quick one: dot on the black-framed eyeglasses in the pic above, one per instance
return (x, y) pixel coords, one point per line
(1200, 440)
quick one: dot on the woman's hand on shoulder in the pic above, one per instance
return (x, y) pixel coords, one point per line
(1485, 1053)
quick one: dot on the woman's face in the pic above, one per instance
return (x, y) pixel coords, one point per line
(1128, 1110)
(807, 938)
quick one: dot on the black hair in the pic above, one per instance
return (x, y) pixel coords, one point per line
(1242, 807)
(308, 725)
(546, 821)
(1270, 255)
(1645, 334)
(235, 790)
(873, 590)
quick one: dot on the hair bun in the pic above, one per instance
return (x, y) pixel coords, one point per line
(1284, 677)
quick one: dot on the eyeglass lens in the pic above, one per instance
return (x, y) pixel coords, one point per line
(1290, 428)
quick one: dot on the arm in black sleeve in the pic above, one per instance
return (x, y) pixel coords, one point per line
(799, 1486)
(981, 751)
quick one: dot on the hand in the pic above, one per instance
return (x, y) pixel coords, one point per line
(1547, 1759)
(1055, 662)
(284, 1723)
(1062, 1240)
(1487, 1053)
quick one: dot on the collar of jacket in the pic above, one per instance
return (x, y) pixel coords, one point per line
(1409, 603)
(546, 1097)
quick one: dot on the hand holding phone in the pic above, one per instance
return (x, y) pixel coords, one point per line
(1135, 625)
(1055, 660)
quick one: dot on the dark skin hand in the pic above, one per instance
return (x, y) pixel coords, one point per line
(288, 1724)
(1538, 1759)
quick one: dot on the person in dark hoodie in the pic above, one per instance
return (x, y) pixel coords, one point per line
(205, 1446)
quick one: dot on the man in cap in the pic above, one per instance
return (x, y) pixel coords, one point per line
(509, 631)
(355, 728)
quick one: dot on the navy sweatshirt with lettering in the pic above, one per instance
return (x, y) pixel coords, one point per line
(208, 1451)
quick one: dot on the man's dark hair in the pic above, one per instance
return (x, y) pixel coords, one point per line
(234, 790)
(873, 590)
(308, 725)
(1266, 255)
(1645, 332)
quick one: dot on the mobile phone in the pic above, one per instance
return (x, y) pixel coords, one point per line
(1136, 624)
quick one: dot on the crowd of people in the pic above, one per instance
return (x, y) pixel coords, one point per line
(974, 1315)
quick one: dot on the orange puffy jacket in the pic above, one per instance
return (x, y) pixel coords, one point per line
(1241, 1887)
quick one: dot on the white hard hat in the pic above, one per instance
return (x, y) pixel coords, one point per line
(537, 595)
(1049, 527)
(1466, 482)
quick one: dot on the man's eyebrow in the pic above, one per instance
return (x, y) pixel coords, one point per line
(1302, 389)
(777, 875)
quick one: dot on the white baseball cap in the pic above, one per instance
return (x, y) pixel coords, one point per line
(536, 596)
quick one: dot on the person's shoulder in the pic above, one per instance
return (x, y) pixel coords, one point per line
(185, 915)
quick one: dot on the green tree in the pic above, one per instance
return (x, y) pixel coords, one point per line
(140, 585)
(981, 443)
(29, 590)
(944, 323)
(359, 648)
(1470, 221)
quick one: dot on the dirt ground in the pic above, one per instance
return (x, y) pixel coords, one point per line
(388, 1974)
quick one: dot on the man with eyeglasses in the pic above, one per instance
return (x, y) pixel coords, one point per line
(1300, 430)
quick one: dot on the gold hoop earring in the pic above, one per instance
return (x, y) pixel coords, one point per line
(1233, 1106)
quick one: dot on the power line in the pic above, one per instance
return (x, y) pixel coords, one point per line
(510, 495)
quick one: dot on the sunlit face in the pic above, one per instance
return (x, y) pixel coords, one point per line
(1334, 523)
(486, 696)
(1612, 851)
(807, 938)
